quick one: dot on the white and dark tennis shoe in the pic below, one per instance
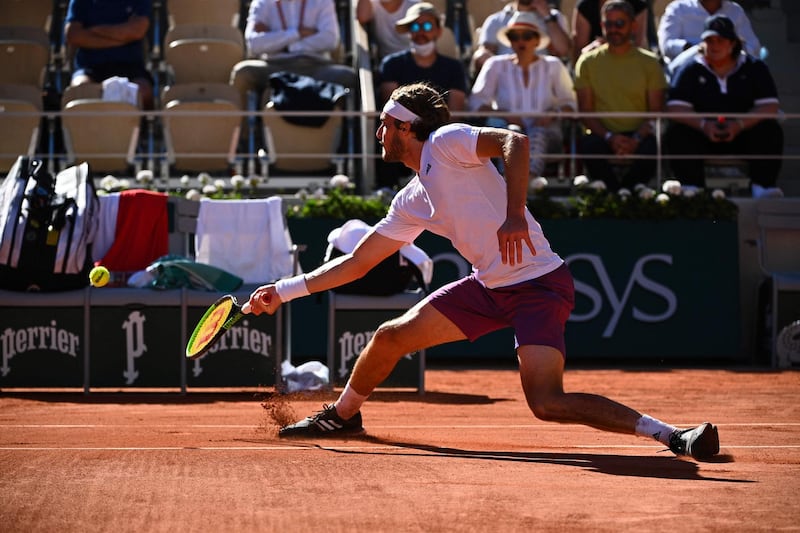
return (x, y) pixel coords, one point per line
(701, 442)
(325, 423)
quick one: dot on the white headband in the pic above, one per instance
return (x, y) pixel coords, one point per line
(399, 111)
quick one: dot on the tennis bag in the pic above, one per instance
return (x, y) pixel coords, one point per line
(406, 269)
(48, 225)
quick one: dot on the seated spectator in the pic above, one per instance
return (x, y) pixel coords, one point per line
(619, 77)
(683, 21)
(421, 62)
(108, 40)
(587, 30)
(552, 20)
(523, 82)
(724, 80)
(295, 36)
(384, 14)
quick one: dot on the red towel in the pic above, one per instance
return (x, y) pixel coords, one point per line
(141, 236)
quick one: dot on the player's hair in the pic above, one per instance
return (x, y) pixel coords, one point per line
(428, 103)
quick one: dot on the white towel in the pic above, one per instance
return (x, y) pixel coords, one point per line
(107, 227)
(118, 89)
(247, 238)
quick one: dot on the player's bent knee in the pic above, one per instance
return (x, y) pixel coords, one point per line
(547, 410)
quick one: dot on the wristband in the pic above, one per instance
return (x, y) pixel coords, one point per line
(290, 288)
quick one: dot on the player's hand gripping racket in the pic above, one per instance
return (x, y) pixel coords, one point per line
(216, 321)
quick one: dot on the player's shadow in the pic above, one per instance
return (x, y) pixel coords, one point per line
(665, 467)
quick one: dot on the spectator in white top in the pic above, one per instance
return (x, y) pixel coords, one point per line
(384, 14)
(683, 21)
(297, 36)
(525, 82)
(553, 21)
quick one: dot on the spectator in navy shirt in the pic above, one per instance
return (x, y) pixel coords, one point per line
(719, 82)
(108, 40)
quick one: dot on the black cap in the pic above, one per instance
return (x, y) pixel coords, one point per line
(719, 25)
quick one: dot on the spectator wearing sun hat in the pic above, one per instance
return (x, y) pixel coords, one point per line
(525, 82)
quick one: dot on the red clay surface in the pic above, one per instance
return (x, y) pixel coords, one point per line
(466, 456)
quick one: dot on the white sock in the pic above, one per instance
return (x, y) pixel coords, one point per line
(655, 429)
(349, 402)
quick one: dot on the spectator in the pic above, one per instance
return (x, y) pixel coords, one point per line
(108, 39)
(619, 77)
(297, 36)
(421, 62)
(525, 82)
(683, 21)
(587, 30)
(552, 20)
(724, 80)
(384, 14)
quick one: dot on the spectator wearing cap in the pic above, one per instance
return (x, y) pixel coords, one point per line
(683, 21)
(525, 82)
(618, 77)
(383, 15)
(421, 61)
(721, 81)
(553, 23)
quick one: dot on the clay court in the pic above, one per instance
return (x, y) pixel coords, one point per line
(465, 456)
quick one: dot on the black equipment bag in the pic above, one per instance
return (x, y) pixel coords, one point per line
(393, 275)
(48, 225)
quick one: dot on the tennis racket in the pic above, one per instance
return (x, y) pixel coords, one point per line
(216, 321)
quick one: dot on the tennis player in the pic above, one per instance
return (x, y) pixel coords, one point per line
(517, 280)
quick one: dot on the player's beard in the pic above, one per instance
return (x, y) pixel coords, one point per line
(394, 151)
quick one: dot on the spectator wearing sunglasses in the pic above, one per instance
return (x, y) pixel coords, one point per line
(587, 27)
(554, 24)
(525, 82)
(382, 15)
(619, 77)
(421, 62)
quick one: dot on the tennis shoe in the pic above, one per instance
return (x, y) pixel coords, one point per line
(701, 442)
(325, 423)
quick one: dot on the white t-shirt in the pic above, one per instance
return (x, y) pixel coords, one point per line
(463, 198)
(389, 40)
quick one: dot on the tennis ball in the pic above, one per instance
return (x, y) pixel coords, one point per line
(99, 276)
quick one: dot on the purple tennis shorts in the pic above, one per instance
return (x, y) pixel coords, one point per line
(537, 309)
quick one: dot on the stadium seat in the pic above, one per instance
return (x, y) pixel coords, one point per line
(24, 53)
(18, 134)
(201, 143)
(27, 13)
(203, 53)
(284, 138)
(446, 44)
(101, 132)
(206, 12)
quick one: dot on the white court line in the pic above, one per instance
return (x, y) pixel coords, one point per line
(406, 426)
(364, 447)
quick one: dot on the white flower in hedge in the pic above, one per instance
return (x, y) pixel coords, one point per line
(646, 193)
(302, 194)
(662, 198)
(638, 187)
(690, 190)
(598, 185)
(254, 181)
(194, 195)
(209, 189)
(538, 184)
(718, 194)
(624, 193)
(340, 181)
(237, 181)
(109, 183)
(318, 194)
(580, 180)
(185, 180)
(144, 176)
(219, 184)
(204, 178)
(671, 187)
(124, 183)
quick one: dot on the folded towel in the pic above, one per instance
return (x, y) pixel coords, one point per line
(247, 238)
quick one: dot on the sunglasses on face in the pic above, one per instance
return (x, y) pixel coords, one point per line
(515, 36)
(618, 23)
(415, 27)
